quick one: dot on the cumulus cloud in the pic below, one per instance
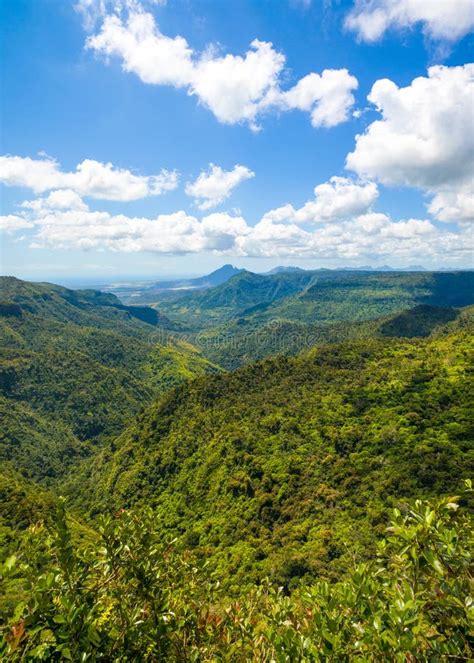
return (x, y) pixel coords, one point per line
(213, 186)
(60, 199)
(366, 236)
(91, 178)
(369, 236)
(340, 198)
(63, 220)
(10, 223)
(327, 97)
(455, 204)
(235, 88)
(446, 20)
(424, 139)
(270, 239)
(408, 229)
(176, 233)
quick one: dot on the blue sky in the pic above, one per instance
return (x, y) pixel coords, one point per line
(81, 83)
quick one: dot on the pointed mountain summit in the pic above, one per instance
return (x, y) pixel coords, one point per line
(216, 277)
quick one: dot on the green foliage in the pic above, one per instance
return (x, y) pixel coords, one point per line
(419, 321)
(85, 307)
(37, 446)
(252, 316)
(286, 468)
(320, 296)
(129, 596)
(75, 367)
(57, 385)
(22, 503)
(245, 340)
(237, 505)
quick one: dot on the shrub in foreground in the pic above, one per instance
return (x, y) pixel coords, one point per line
(123, 594)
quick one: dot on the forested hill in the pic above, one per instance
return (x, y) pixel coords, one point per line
(244, 340)
(321, 296)
(75, 367)
(84, 307)
(286, 468)
(191, 494)
(253, 316)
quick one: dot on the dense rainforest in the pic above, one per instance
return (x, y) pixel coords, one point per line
(155, 505)
(271, 470)
(252, 316)
(75, 367)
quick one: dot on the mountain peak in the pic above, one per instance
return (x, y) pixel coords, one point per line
(225, 269)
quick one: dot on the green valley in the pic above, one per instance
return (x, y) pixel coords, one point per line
(286, 468)
(255, 435)
(252, 316)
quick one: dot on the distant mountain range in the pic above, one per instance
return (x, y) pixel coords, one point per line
(385, 268)
(226, 272)
(133, 293)
(320, 296)
(363, 268)
(167, 290)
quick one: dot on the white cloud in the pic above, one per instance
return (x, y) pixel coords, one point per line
(446, 20)
(235, 88)
(91, 178)
(368, 237)
(144, 50)
(60, 199)
(62, 220)
(340, 198)
(425, 139)
(36, 174)
(212, 187)
(408, 229)
(455, 205)
(328, 97)
(270, 239)
(371, 222)
(11, 223)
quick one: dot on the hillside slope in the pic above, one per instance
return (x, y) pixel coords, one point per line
(253, 316)
(77, 365)
(241, 341)
(286, 468)
(321, 296)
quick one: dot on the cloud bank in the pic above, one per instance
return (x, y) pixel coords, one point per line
(339, 224)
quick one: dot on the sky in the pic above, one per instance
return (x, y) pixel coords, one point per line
(144, 138)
